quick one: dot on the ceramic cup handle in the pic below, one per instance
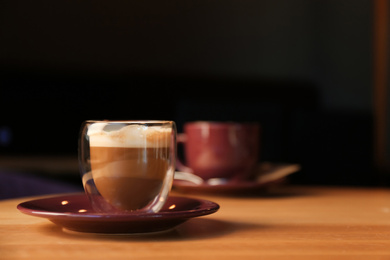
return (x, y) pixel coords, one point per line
(182, 139)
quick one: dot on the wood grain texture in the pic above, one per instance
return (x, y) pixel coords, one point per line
(287, 223)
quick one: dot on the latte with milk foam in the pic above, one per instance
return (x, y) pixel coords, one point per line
(129, 162)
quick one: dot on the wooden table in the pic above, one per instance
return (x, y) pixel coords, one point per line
(288, 223)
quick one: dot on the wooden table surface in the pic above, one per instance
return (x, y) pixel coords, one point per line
(289, 223)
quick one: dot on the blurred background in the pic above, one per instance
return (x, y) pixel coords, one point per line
(306, 70)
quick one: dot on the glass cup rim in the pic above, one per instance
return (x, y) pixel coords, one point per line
(130, 121)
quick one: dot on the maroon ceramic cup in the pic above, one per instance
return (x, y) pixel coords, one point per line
(220, 149)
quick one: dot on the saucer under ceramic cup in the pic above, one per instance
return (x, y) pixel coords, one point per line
(267, 175)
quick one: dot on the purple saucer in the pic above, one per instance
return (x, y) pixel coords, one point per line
(74, 212)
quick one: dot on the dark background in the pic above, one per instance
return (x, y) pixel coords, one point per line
(303, 69)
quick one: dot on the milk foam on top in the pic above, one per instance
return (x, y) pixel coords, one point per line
(123, 135)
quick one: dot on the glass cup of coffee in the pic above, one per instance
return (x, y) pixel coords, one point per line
(127, 166)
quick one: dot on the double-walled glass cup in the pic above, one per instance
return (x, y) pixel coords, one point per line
(127, 166)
